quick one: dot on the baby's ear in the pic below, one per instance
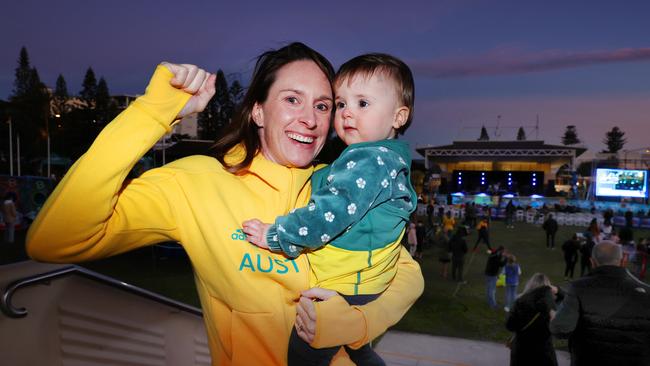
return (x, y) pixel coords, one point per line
(401, 116)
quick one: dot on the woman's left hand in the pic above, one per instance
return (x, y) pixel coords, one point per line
(306, 317)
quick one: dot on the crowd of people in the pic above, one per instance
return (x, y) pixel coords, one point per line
(605, 313)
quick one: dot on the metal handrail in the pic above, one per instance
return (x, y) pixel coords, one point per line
(9, 310)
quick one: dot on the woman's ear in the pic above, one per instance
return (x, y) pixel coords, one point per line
(401, 116)
(257, 114)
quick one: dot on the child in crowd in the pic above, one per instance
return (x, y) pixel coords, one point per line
(412, 237)
(512, 271)
(448, 223)
(360, 203)
(483, 230)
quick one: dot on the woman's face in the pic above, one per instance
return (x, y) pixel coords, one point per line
(294, 119)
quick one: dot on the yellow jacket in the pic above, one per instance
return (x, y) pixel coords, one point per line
(247, 294)
(448, 223)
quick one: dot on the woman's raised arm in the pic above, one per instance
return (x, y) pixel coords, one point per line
(93, 212)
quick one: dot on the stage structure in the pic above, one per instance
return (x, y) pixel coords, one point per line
(524, 167)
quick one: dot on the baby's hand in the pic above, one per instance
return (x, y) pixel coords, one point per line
(255, 231)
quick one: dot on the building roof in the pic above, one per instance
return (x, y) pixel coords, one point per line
(500, 148)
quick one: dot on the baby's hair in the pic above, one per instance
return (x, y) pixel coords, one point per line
(368, 64)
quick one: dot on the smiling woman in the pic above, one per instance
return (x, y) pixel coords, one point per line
(263, 168)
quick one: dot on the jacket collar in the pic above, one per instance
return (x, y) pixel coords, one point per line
(275, 175)
(609, 271)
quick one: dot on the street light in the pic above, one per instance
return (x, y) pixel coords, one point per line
(49, 155)
(11, 150)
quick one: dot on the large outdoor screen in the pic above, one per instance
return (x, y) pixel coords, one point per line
(621, 183)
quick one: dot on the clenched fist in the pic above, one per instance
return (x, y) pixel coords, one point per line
(195, 81)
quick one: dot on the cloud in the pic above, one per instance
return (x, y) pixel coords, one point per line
(507, 63)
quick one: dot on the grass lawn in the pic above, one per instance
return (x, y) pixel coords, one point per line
(437, 312)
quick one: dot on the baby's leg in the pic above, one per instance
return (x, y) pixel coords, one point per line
(301, 353)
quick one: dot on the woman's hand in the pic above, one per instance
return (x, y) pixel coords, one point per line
(255, 231)
(195, 81)
(306, 317)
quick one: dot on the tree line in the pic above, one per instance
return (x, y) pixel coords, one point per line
(72, 122)
(614, 138)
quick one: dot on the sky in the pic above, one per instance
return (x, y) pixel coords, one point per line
(541, 65)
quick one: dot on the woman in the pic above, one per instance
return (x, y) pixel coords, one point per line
(412, 237)
(448, 224)
(458, 249)
(529, 320)
(594, 230)
(262, 169)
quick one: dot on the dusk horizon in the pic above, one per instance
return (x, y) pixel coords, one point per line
(475, 63)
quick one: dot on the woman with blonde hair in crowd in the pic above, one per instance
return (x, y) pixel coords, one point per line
(529, 319)
(594, 231)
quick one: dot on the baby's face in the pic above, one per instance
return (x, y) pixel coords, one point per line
(367, 108)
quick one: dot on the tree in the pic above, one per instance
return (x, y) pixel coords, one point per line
(61, 89)
(521, 134)
(570, 136)
(236, 93)
(484, 135)
(614, 140)
(30, 108)
(89, 88)
(23, 74)
(224, 103)
(60, 95)
(217, 114)
(104, 108)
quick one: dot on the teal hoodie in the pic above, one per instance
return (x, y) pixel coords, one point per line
(360, 202)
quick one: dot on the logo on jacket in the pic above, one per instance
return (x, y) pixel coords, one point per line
(266, 264)
(238, 235)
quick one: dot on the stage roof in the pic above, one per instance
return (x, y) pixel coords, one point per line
(501, 149)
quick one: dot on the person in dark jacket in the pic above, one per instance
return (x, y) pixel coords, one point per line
(606, 315)
(510, 215)
(570, 249)
(430, 210)
(585, 256)
(550, 227)
(529, 320)
(420, 233)
(458, 249)
(495, 262)
(629, 219)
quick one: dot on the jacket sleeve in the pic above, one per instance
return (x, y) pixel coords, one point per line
(92, 213)
(366, 322)
(359, 180)
(566, 317)
(513, 320)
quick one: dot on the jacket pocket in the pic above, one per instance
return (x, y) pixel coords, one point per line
(258, 339)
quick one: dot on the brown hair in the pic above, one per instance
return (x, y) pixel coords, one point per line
(388, 65)
(242, 129)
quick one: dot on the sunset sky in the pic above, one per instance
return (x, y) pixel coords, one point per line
(585, 63)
